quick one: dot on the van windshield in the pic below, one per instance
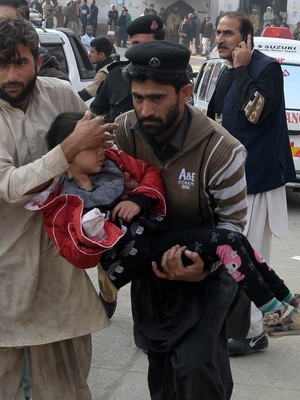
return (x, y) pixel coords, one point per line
(291, 79)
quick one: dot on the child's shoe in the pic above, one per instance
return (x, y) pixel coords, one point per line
(282, 322)
(295, 301)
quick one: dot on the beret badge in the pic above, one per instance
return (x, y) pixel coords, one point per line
(154, 63)
(154, 26)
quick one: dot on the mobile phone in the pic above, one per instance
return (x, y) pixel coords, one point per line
(245, 38)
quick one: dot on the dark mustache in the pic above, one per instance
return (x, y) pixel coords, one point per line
(220, 46)
(150, 119)
(11, 84)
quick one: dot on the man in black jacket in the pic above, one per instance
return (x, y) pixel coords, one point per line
(114, 95)
(249, 102)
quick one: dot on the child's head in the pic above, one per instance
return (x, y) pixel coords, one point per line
(63, 125)
(87, 162)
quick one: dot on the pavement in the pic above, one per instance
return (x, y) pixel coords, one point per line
(119, 369)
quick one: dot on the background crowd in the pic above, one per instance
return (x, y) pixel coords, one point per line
(198, 36)
(75, 15)
(272, 17)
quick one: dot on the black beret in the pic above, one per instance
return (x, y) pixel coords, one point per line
(159, 55)
(145, 24)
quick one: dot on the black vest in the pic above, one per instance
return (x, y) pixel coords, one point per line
(269, 162)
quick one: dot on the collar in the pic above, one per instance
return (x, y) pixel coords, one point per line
(228, 64)
(107, 61)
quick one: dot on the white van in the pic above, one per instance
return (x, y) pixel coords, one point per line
(287, 52)
(65, 45)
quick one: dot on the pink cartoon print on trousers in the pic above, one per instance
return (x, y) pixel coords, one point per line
(261, 260)
(231, 260)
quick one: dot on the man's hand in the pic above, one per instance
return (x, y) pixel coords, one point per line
(130, 185)
(126, 210)
(241, 55)
(174, 270)
(88, 134)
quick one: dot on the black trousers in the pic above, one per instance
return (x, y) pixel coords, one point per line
(198, 367)
(131, 258)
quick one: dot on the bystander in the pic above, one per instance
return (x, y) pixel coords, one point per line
(249, 102)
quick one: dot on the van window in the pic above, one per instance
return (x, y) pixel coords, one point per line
(57, 51)
(291, 79)
(207, 80)
(213, 81)
(84, 65)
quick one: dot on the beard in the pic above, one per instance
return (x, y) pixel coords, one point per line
(13, 100)
(158, 126)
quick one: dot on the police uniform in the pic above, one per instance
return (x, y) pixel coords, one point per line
(114, 95)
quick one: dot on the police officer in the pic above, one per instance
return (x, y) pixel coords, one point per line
(182, 323)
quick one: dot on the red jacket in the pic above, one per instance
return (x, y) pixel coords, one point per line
(62, 213)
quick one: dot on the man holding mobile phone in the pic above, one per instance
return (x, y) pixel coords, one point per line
(249, 103)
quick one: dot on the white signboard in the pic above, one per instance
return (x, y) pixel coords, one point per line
(293, 11)
(228, 5)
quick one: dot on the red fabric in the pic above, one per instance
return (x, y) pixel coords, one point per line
(62, 213)
(149, 178)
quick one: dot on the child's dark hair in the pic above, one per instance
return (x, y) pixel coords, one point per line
(63, 125)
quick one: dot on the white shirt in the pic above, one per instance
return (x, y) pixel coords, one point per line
(86, 40)
(43, 298)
